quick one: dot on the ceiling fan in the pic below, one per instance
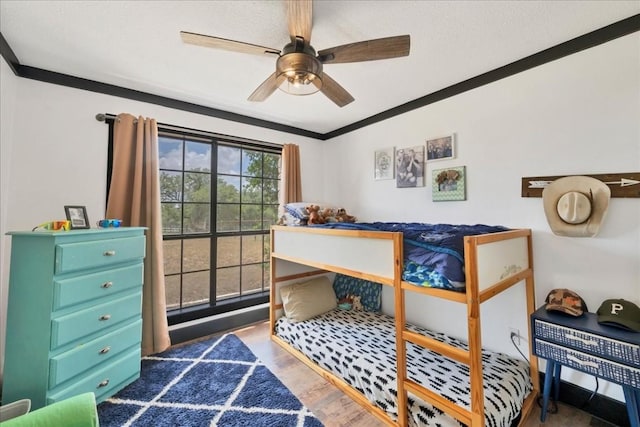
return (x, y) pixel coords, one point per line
(299, 69)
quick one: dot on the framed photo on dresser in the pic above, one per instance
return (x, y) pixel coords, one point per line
(77, 215)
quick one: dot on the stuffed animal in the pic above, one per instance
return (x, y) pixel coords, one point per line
(345, 303)
(356, 305)
(314, 215)
(342, 216)
(329, 215)
(346, 300)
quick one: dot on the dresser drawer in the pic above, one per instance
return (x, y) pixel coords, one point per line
(612, 371)
(68, 292)
(625, 352)
(97, 253)
(73, 362)
(70, 327)
(104, 380)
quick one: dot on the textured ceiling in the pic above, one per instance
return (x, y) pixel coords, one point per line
(137, 45)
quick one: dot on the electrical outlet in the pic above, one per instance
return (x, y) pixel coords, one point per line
(514, 335)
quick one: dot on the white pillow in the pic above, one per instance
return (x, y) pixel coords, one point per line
(302, 301)
(297, 210)
(292, 221)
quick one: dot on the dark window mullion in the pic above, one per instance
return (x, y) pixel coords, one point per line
(262, 192)
(181, 287)
(240, 266)
(182, 174)
(213, 219)
(240, 221)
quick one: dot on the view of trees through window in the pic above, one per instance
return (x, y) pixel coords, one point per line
(216, 236)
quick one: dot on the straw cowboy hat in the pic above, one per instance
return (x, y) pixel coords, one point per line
(575, 205)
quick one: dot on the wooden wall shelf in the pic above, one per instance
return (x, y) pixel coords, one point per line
(621, 184)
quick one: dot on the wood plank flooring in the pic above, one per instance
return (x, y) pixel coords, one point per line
(335, 409)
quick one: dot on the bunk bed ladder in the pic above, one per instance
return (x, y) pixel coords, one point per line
(475, 417)
(472, 358)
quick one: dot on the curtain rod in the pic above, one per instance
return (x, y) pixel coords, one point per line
(105, 117)
(102, 117)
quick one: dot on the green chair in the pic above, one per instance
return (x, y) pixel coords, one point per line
(76, 411)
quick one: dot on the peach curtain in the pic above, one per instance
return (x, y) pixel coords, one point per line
(290, 180)
(134, 197)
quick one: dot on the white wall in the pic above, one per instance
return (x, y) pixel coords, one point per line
(576, 115)
(7, 102)
(54, 153)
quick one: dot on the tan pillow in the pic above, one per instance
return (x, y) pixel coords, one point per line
(305, 300)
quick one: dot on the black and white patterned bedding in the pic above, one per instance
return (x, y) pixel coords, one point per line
(360, 348)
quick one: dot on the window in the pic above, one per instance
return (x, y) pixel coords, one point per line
(219, 199)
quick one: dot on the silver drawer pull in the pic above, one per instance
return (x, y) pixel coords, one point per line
(103, 383)
(104, 317)
(582, 362)
(105, 350)
(109, 253)
(106, 285)
(582, 340)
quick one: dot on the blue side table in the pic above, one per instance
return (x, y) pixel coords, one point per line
(583, 344)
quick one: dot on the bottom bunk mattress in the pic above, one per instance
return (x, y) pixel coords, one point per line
(359, 347)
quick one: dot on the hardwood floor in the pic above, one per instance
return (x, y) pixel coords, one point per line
(325, 400)
(335, 409)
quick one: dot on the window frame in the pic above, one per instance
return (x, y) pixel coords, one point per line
(213, 306)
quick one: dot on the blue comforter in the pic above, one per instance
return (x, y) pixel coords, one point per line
(433, 253)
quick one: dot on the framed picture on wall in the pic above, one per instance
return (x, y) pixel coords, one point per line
(449, 184)
(383, 163)
(410, 167)
(77, 215)
(442, 148)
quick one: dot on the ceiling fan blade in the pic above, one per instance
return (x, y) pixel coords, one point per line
(220, 43)
(334, 91)
(267, 88)
(299, 18)
(369, 50)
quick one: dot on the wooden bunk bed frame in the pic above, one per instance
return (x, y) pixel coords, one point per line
(493, 263)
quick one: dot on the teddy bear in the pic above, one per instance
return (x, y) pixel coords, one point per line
(342, 216)
(314, 215)
(356, 305)
(328, 214)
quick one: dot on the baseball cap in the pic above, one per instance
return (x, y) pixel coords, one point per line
(565, 301)
(620, 313)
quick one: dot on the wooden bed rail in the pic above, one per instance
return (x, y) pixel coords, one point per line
(440, 402)
(341, 251)
(447, 350)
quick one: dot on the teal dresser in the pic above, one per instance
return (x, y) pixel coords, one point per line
(74, 313)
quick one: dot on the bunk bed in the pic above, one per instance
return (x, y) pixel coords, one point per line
(394, 351)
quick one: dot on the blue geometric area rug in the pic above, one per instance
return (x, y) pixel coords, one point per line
(217, 382)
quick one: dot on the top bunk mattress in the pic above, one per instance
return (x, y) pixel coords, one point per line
(433, 253)
(359, 347)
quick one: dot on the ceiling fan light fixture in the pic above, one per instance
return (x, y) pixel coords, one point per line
(302, 73)
(301, 84)
(298, 67)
